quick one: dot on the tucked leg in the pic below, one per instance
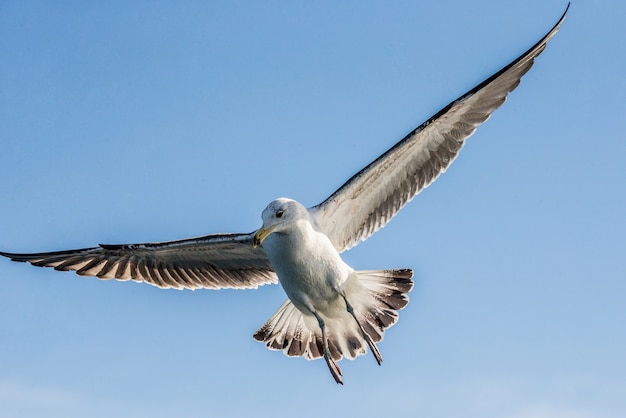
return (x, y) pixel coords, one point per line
(372, 344)
(332, 364)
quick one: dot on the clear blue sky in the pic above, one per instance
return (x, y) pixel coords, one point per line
(127, 122)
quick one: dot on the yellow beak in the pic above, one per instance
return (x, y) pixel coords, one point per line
(261, 234)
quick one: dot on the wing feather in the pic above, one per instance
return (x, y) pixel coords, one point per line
(212, 262)
(368, 200)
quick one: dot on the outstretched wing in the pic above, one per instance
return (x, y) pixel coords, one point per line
(213, 262)
(367, 201)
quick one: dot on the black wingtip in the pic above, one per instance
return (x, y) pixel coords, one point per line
(13, 257)
(21, 257)
(564, 13)
(5, 254)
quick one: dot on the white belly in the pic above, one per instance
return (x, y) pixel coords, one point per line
(309, 269)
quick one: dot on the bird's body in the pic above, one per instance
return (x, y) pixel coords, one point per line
(332, 311)
(308, 267)
(336, 314)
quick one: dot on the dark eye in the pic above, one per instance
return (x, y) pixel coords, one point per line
(280, 213)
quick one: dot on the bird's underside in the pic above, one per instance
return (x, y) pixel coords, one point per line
(297, 334)
(357, 209)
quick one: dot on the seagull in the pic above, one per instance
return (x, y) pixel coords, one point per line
(332, 311)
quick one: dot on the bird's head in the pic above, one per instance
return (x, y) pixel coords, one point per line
(279, 216)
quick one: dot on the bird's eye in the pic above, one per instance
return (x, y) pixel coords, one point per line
(280, 213)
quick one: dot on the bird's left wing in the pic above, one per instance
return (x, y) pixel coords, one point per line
(367, 201)
(212, 262)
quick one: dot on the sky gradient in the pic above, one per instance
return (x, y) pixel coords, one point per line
(125, 122)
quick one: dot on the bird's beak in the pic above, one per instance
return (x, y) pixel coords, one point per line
(261, 234)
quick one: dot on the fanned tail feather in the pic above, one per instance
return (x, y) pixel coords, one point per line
(375, 295)
(387, 291)
(292, 332)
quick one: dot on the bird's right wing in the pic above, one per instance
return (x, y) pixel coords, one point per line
(213, 262)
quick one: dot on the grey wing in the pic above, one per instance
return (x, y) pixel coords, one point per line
(213, 262)
(368, 200)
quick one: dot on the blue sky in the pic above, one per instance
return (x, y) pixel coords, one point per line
(127, 122)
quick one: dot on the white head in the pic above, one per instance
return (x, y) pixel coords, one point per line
(280, 215)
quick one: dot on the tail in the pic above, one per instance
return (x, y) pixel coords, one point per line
(375, 296)
(386, 293)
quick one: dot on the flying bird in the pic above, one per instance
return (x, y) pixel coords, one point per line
(332, 311)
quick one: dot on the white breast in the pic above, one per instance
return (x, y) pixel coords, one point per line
(308, 267)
